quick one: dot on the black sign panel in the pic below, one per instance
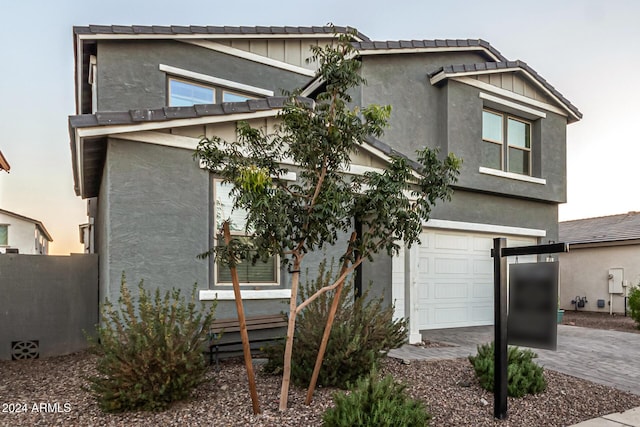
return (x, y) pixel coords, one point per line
(533, 305)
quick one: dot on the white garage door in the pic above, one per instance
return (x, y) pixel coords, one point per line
(455, 278)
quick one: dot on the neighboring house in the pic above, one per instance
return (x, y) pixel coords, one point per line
(153, 209)
(19, 234)
(603, 261)
(4, 164)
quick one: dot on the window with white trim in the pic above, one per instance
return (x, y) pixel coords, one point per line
(506, 142)
(260, 273)
(185, 93)
(228, 96)
(4, 235)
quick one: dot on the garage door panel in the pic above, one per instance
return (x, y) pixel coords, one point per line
(449, 241)
(451, 265)
(482, 291)
(455, 278)
(482, 313)
(482, 267)
(482, 244)
(451, 314)
(451, 291)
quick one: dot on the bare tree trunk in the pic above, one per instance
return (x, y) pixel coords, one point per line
(288, 350)
(246, 347)
(329, 325)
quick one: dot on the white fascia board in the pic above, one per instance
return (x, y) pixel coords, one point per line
(79, 142)
(515, 106)
(180, 72)
(381, 155)
(515, 96)
(511, 175)
(228, 295)
(164, 124)
(219, 47)
(442, 75)
(484, 228)
(161, 138)
(427, 50)
(312, 87)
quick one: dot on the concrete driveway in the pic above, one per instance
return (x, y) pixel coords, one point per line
(606, 357)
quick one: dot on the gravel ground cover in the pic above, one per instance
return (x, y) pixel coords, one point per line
(448, 388)
(49, 392)
(598, 320)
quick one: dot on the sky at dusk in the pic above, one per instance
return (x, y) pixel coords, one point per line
(588, 50)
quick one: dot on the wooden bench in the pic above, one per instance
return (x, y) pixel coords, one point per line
(224, 333)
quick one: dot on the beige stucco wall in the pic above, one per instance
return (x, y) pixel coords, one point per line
(584, 272)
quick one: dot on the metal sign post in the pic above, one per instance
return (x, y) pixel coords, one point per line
(499, 254)
(500, 330)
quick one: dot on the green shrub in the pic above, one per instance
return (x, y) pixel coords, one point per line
(523, 374)
(150, 355)
(362, 333)
(634, 304)
(377, 403)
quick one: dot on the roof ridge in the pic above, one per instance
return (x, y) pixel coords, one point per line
(626, 214)
(428, 43)
(214, 29)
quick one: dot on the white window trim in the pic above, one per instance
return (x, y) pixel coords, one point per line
(192, 83)
(231, 92)
(504, 158)
(246, 294)
(7, 245)
(521, 108)
(511, 175)
(276, 260)
(180, 72)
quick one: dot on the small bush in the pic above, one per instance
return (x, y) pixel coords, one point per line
(376, 403)
(363, 332)
(634, 304)
(151, 355)
(524, 376)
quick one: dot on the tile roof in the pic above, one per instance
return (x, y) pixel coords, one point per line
(612, 228)
(210, 30)
(368, 45)
(497, 66)
(173, 113)
(38, 224)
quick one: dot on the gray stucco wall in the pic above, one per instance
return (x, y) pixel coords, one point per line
(50, 299)
(401, 81)
(156, 215)
(449, 116)
(129, 77)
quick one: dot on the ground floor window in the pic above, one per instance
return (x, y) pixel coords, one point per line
(262, 272)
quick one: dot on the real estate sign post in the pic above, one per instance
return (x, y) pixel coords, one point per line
(535, 290)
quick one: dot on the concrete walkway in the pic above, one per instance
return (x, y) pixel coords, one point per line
(604, 357)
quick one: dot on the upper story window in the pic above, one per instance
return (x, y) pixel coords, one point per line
(506, 142)
(262, 272)
(234, 97)
(4, 235)
(183, 93)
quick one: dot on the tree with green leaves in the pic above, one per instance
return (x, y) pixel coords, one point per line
(319, 138)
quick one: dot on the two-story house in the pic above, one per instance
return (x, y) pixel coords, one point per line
(145, 95)
(19, 234)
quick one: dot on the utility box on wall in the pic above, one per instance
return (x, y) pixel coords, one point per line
(616, 276)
